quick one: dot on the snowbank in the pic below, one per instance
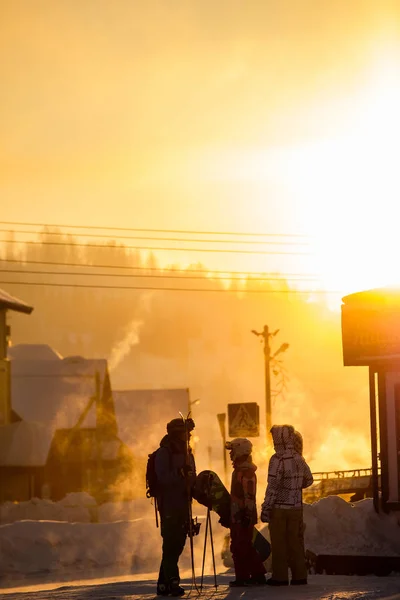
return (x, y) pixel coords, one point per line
(333, 526)
(74, 508)
(30, 547)
(45, 547)
(125, 511)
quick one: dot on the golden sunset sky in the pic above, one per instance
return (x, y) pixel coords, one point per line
(276, 116)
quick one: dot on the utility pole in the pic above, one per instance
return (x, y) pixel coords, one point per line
(222, 420)
(266, 335)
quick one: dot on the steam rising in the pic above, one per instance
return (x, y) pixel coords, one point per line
(123, 347)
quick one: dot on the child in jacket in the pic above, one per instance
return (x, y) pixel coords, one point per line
(249, 569)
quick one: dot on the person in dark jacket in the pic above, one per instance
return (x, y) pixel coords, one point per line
(249, 569)
(288, 475)
(176, 474)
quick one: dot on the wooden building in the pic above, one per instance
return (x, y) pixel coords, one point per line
(64, 434)
(7, 303)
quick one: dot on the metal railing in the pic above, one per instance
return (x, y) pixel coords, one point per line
(351, 473)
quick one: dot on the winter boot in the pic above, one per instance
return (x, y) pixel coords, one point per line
(240, 583)
(258, 580)
(162, 589)
(298, 582)
(175, 589)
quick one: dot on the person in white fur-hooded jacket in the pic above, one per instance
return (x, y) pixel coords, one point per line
(288, 475)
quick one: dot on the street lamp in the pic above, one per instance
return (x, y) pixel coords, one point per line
(266, 335)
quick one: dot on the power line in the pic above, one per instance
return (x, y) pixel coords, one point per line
(151, 238)
(301, 276)
(138, 229)
(153, 249)
(166, 289)
(182, 278)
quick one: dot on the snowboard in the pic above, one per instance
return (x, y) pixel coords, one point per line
(211, 492)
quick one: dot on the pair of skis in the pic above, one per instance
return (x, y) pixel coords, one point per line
(208, 521)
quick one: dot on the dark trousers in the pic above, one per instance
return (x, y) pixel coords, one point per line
(245, 558)
(287, 541)
(174, 530)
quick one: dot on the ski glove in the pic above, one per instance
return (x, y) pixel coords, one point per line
(266, 515)
(225, 522)
(246, 521)
(187, 471)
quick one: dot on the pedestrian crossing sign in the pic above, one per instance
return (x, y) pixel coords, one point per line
(244, 419)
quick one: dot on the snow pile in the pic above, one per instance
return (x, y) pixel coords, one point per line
(125, 511)
(78, 499)
(47, 547)
(77, 507)
(74, 508)
(333, 526)
(31, 547)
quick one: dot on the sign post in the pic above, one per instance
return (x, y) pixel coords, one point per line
(244, 419)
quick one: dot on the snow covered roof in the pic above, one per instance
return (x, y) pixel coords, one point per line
(142, 415)
(55, 392)
(33, 352)
(11, 303)
(24, 444)
(382, 296)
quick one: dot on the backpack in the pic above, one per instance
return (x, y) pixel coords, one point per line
(151, 476)
(152, 490)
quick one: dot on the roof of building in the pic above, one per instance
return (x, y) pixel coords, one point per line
(54, 391)
(33, 352)
(385, 296)
(142, 415)
(11, 303)
(24, 444)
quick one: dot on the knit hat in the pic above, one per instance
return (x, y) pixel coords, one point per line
(177, 426)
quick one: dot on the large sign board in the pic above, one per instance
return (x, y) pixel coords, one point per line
(370, 328)
(244, 419)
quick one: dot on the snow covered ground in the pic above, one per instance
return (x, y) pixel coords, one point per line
(321, 587)
(51, 549)
(64, 545)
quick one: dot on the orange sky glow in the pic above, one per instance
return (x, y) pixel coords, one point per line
(272, 116)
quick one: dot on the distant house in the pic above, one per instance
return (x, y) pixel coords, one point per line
(64, 433)
(49, 389)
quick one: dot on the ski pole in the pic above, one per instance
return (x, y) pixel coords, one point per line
(156, 511)
(212, 551)
(204, 551)
(189, 495)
